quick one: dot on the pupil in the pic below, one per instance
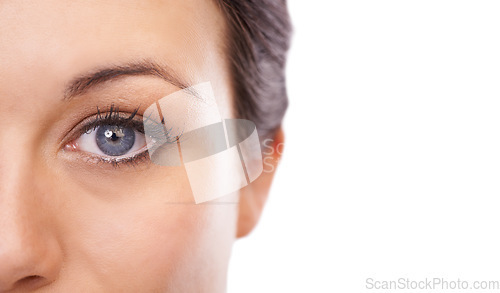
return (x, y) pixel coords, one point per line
(114, 137)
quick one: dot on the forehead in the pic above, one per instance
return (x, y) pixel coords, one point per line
(44, 43)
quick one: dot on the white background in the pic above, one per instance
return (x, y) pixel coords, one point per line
(392, 157)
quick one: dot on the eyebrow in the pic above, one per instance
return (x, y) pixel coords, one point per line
(85, 82)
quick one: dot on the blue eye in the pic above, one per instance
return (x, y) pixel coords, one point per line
(114, 140)
(118, 138)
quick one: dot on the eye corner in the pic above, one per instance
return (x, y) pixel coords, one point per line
(70, 146)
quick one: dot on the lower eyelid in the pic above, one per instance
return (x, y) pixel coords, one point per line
(134, 160)
(124, 158)
(136, 163)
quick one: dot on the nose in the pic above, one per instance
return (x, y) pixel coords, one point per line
(27, 266)
(30, 255)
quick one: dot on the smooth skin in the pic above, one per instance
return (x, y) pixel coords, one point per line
(70, 224)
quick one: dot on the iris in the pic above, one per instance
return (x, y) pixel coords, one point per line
(115, 140)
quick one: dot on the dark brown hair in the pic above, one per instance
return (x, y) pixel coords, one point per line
(257, 43)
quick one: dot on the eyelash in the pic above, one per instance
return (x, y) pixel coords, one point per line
(112, 117)
(115, 117)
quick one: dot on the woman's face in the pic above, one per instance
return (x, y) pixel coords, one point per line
(71, 221)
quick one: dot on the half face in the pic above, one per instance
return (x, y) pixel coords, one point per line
(73, 218)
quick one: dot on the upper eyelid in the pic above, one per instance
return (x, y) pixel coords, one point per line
(156, 129)
(78, 129)
(97, 121)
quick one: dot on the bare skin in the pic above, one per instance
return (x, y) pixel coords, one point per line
(70, 224)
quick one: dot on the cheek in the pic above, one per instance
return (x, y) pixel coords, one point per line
(140, 238)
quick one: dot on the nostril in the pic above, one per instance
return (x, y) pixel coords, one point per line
(29, 281)
(29, 278)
